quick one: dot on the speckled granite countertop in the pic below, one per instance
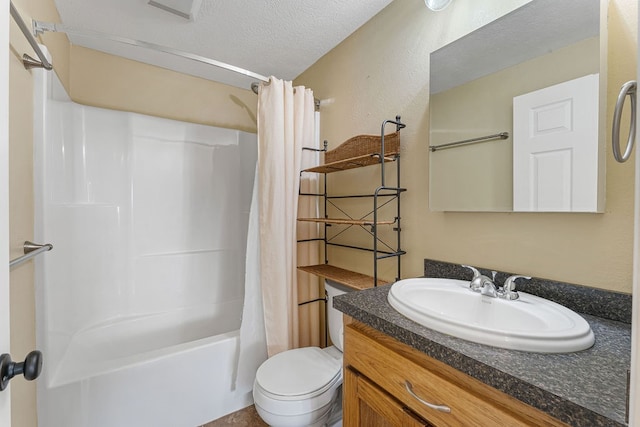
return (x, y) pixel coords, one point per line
(586, 388)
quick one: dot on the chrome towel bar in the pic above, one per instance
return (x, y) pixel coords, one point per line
(629, 88)
(28, 61)
(30, 250)
(501, 135)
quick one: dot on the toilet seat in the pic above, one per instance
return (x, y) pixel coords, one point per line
(298, 374)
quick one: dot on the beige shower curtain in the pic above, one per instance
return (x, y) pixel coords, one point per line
(285, 125)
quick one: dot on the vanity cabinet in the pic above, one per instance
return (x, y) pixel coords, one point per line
(388, 379)
(372, 406)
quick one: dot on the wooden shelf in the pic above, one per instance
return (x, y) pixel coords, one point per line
(359, 151)
(351, 163)
(346, 221)
(348, 278)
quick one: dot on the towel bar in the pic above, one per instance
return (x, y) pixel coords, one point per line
(30, 250)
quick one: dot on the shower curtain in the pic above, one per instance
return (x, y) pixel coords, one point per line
(286, 121)
(285, 125)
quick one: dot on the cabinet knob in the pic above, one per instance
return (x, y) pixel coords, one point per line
(30, 368)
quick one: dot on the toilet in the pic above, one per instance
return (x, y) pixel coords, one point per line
(303, 386)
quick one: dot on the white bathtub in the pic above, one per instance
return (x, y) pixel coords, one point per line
(146, 372)
(128, 342)
(138, 305)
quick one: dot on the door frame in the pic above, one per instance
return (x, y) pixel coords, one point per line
(5, 397)
(634, 387)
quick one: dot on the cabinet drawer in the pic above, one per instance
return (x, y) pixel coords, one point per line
(470, 401)
(372, 406)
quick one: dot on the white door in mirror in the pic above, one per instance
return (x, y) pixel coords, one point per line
(555, 148)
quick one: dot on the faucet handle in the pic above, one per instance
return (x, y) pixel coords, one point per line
(476, 282)
(510, 283)
(475, 271)
(509, 288)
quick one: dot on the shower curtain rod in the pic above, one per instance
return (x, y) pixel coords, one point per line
(40, 27)
(27, 60)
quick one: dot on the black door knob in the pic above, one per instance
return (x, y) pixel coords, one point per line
(30, 368)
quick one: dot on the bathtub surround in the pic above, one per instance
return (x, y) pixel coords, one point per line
(285, 125)
(148, 217)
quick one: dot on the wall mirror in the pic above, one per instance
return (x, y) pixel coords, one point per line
(473, 83)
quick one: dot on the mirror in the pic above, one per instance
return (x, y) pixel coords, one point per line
(474, 81)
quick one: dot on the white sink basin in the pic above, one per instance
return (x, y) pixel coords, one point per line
(529, 323)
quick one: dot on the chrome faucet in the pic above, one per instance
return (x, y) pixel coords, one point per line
(481, 283)
(509, 288)
(486, 286)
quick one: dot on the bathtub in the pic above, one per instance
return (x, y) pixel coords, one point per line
(129, 342)
(143, 371)
(139, 304)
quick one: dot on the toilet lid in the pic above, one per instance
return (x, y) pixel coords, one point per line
(298, 372)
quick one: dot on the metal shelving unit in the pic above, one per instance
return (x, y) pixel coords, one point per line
(357, 152)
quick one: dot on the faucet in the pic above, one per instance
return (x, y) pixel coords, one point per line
(481, 283)
(486, 286)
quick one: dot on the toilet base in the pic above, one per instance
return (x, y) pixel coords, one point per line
(329, 415)
(317, 418)
(335, 416)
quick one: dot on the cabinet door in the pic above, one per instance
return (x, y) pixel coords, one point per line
(365, 404)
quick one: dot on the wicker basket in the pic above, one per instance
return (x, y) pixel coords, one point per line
(363, 145)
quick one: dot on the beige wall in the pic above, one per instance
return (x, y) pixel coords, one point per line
(108, 81)
(383, 70)
(23, 397)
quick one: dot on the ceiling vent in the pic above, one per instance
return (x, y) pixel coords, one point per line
(187, 9)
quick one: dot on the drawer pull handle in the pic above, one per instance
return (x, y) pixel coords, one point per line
(441, 408)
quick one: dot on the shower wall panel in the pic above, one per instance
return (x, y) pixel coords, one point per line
(146, 215)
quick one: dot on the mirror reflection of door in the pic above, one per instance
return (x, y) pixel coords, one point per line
(555, 148)
(473, 81)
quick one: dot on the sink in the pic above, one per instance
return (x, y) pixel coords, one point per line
(529, 323)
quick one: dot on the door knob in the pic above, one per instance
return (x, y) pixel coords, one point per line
(30, 368)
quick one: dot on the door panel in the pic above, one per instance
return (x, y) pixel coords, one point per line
(555, 148)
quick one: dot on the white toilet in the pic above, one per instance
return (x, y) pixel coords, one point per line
(302, 387)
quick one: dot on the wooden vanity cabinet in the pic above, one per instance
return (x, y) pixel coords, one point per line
(377, 369)
(369, 405)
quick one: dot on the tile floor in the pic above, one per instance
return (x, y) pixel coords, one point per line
(244, 417)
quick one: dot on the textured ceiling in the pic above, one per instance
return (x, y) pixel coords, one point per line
(269, 37)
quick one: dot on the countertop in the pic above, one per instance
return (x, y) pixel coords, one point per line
(586, 388)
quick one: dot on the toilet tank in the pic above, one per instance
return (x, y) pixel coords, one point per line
(334, 317)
